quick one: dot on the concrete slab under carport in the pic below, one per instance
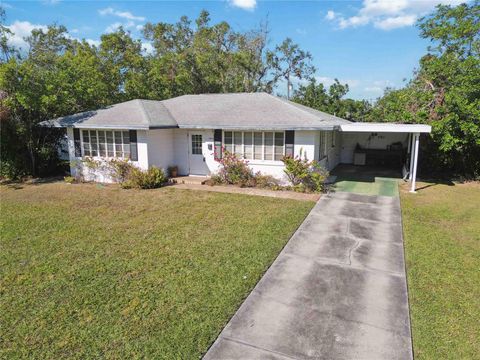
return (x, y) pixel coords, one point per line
(367, 180)
(337, 290)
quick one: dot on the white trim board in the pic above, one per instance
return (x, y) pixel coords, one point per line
(386, 127)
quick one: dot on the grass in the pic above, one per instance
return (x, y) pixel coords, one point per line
(88, 271)
(442, 244)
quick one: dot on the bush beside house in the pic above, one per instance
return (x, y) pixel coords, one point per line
(125, 173)
(303, 175)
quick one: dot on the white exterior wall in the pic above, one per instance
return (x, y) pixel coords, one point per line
(305, 142)
(332, 149)
(180, 150)
(100, 174)
(166, 147)
(160, 148)
(351, 139)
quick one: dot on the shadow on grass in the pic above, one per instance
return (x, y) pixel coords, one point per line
(433, 182)
(19, 184)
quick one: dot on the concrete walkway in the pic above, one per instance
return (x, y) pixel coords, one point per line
(337, 290)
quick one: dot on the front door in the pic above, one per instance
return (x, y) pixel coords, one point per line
(196, 156)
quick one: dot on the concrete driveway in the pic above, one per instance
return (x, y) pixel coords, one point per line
(337, 290)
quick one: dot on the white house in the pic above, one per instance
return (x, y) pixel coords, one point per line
(189, 131)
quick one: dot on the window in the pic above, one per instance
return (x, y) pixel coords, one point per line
(268, 141)
(197, 144)
(237, 143)
(86, 143)
(278, 149)
(110, 143)
(227, 140)
(248, 145)
(258, 146)
(106, 143)
(102, 144)
(322, 153)
(333, 138)
(255, 145)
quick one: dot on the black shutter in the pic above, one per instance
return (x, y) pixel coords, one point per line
(133, 145)
(289, 142)
(77, 143)
(217, 139)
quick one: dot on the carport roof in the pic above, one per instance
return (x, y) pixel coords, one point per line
(385, 127)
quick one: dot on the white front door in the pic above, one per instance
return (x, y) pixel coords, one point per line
(196, 153)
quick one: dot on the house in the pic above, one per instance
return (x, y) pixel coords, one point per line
(189, 131)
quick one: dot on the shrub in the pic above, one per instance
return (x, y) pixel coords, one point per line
(147, 179)
(234, 171)
(305, 175)
(69, 179)
(267, 182)
(120, 169)
(128, 175)
(144, 179)
(215, 179)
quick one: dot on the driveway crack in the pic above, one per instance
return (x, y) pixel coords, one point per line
(352, 249)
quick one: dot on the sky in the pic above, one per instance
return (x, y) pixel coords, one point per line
(369, 44)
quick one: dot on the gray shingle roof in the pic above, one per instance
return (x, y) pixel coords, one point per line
(236, 111)
(133, 114)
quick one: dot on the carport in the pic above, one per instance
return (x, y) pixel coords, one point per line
(384, 144)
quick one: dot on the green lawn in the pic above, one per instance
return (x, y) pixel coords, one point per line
(89, 271)
(442, 240)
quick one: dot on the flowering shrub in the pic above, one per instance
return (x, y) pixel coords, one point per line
(234, 171)
(305, 175)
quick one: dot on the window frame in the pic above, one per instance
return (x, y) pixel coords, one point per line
(322, 145)
(253, 160)
(123, 144)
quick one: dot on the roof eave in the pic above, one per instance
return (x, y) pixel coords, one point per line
(263, 128)
(93, 126)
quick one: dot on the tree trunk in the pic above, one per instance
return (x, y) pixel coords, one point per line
(288, 87)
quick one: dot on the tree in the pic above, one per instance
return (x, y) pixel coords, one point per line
(444, 91)
(57, 76)
(123, 65)
(197, 57)
(289, 61)
(6, 51)
(332, 100)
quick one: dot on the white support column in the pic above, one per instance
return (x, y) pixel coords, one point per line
(416, 144)
(411, 147)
